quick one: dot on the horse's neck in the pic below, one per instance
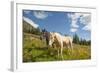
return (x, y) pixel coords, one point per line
(57, 37)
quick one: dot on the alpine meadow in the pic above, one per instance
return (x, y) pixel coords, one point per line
(56, 36)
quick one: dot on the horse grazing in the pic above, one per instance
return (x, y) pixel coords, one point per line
(60, 41)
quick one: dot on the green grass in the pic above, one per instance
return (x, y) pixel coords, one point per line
(35, 50)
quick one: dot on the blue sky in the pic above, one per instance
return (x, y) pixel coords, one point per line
(63, 22)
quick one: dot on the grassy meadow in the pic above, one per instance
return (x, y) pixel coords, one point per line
(35, 50)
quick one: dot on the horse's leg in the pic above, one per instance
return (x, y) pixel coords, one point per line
(68, 48)
(58, 53)
(71, 46)
(61, 51)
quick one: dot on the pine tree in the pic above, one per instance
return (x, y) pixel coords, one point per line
(76, 39)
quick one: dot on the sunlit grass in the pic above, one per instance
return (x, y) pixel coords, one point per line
(35, 50)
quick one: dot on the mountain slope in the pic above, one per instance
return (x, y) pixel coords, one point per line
(30, 22)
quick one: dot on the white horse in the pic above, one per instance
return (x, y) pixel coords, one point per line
(60, 41)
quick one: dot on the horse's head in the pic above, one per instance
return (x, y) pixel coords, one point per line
(51, 39)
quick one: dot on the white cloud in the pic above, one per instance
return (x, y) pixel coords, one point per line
(87, 27)
(26, 11)
(30, 22)
(40, 14)
(73, 29)
(86, 21)
(83, 18)
(74, 24)
(74, 18)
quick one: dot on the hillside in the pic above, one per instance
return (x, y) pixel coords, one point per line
(35, 50)
(28, 28)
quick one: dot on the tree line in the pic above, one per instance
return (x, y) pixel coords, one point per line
(80, 41)
(30, 29)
